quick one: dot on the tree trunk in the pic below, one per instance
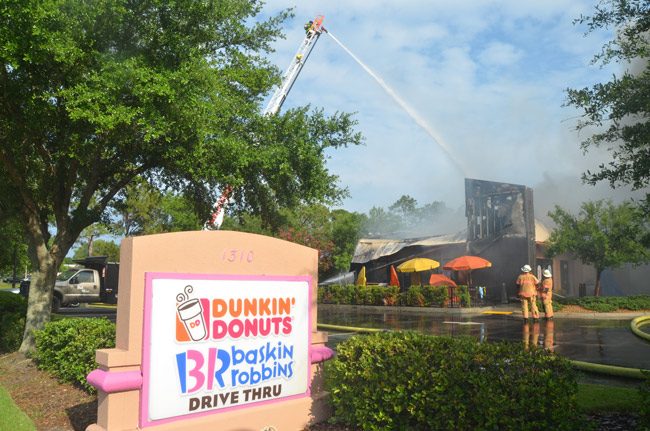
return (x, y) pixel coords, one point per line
(39, 302)
(90, 244)
(47, 260)
(597, 286)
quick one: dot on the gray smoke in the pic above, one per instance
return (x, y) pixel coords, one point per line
(569, 192)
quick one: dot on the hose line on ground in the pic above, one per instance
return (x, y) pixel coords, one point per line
(637, 323)
(350, 328)
(611, 370)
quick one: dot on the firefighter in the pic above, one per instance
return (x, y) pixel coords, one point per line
(527, 283)
(308, 26)
(546, 293)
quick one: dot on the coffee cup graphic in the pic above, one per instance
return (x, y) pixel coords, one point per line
(191, 313)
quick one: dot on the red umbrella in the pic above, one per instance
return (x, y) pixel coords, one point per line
(467, 263)
(394, 281)
(441, 280)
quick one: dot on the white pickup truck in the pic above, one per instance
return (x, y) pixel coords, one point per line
(96, 282)
(76, 286)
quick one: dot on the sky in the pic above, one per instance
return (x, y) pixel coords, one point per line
(487, 79)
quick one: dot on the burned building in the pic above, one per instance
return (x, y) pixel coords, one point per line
(501, 229)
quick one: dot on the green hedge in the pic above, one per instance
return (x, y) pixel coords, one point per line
(412, 381)
(358, 295)
(66, 348)
(604, 304)
(13, 309)
(415, 296)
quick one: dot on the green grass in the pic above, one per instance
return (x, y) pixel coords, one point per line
(11, 417)
(602, 398)
(5, 286)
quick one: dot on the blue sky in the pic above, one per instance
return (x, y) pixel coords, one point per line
(488, 77)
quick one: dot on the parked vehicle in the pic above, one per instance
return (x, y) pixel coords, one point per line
(96, 281)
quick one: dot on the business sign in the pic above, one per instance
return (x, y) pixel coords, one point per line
(214, 343)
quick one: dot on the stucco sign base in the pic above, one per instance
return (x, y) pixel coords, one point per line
(219, 255)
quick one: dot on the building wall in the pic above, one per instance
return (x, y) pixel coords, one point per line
(508, 255)
(501, 229)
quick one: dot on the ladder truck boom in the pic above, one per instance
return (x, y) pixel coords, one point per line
(313, 31)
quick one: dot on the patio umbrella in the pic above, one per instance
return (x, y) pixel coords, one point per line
(441, 280)
(467, 263)
(361, 278)
(394, 281)
(418, 264)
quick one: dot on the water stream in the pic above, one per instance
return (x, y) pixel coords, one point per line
(409, 110)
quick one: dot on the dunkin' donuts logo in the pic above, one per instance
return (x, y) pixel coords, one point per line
(201, 318)
(191, 316)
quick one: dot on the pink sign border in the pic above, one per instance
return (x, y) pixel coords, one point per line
(146, 341)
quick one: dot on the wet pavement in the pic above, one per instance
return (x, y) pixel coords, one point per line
(602, 341)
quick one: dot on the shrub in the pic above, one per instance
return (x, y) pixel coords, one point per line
(13, 309)
(604, 304)
(390, 295)
(412, 381)
(359, 295)
(435, 296)
(66, 348)
(413, 297)
(463, 295)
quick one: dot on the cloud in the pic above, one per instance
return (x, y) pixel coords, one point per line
(500, 54)
(488, 77)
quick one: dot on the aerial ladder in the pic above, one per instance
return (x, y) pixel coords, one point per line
(313, 30)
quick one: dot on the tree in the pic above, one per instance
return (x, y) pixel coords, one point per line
(89, 236)
(602, 235)
(381, 223)
(405, 218)
(100, 248)
(346, 231)
(334, 233)
(96, 94)
(14, 260)
(143, 209)
(620, 107)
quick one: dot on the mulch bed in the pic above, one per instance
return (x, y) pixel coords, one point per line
(53, 406)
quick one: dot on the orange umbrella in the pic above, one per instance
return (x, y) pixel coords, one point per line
(467, 263)
(394, 281)
(441, 280)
